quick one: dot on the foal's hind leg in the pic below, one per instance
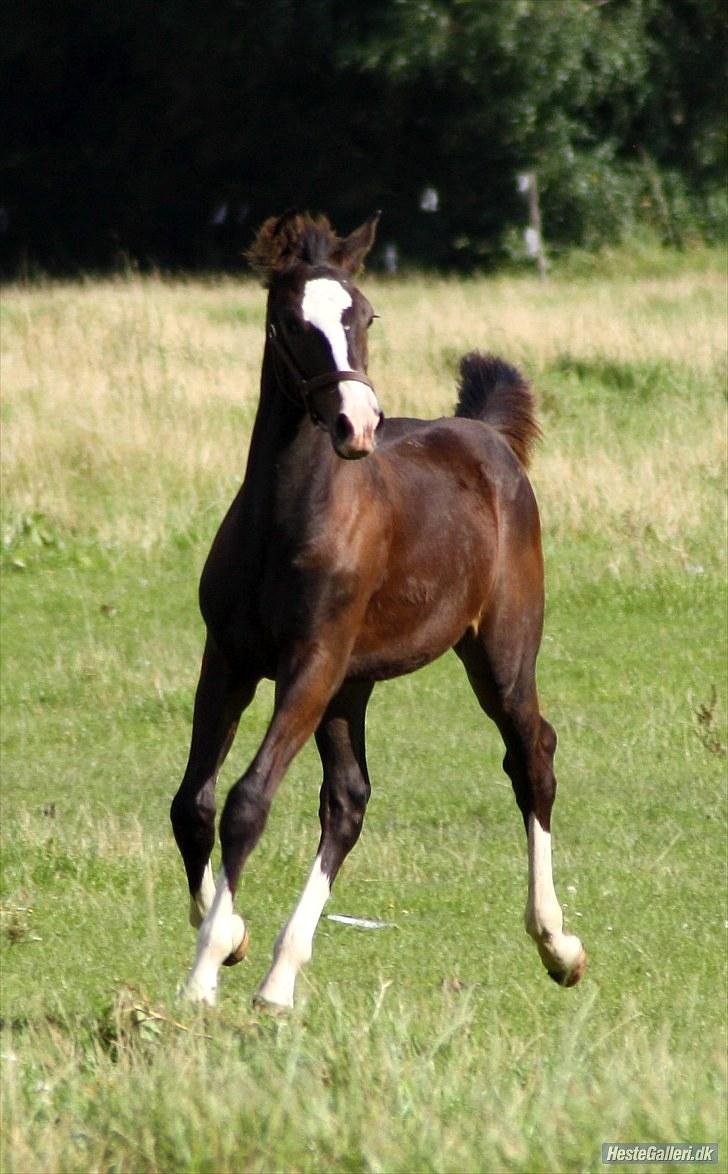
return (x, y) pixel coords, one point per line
(502, 677)
(220, 699)
(344, 795)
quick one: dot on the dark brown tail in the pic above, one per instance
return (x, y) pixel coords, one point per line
(497, 393)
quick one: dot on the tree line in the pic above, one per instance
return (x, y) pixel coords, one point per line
(161, 132)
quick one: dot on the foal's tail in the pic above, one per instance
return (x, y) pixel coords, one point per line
(493, 391)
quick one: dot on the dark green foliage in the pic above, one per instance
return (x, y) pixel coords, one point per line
(129, 126)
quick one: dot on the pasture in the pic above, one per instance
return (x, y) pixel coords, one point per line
(436, 1043)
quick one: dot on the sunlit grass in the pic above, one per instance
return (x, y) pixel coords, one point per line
(436, 1043)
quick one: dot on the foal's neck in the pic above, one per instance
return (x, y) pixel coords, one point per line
(278, 423)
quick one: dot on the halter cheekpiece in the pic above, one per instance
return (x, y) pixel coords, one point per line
(305, 386)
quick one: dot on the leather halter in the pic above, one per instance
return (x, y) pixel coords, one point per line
(305, 386)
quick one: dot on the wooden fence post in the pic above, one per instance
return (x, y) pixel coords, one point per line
(528, 187)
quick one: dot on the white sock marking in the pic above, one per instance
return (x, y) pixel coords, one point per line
(294, 944)
(221, 932)
(543, 912)
(544, 918)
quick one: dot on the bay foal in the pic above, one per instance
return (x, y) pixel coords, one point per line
(356, 550)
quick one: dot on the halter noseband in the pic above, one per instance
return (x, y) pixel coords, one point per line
(305, 386)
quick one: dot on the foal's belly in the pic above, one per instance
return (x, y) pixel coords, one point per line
(381, 663)
(414, 619)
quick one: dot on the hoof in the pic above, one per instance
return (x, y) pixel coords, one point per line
(573, 975)
(192, 991)
(270, 1008)
(239, 952)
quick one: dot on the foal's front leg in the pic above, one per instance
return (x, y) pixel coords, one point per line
(344, 795)
(220, 699)
(301, 699)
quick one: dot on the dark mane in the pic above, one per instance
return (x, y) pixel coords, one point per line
(285, 241)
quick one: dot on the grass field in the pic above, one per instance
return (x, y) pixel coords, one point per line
(437, 1043)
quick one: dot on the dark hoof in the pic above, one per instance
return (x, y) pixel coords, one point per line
(239, 952)
(569, 978)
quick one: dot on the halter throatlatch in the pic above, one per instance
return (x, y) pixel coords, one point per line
(305, 386)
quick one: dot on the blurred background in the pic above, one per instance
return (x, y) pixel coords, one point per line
(159, 133)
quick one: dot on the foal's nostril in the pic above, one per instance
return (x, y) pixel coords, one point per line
(343, 428)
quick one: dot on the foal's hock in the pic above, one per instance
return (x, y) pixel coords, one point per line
(359, 549)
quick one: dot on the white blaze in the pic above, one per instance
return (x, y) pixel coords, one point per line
(323, 304)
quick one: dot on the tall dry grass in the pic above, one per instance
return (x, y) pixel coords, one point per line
(127, 403)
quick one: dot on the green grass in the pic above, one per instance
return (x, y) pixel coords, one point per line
(437, 1043)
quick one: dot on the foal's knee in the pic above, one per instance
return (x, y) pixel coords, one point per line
(347, 805)
(544, 779)
(193, 822)
(547, 739)
(192, 814)
(242, 822)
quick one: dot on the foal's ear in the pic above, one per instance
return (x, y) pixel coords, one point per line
(352, 250)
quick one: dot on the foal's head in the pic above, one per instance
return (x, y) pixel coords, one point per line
(317, 324)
